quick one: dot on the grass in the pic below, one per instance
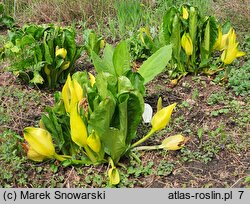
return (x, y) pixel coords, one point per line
(214, 117)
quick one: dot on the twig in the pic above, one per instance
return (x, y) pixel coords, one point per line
(237, 182)
(65, 182)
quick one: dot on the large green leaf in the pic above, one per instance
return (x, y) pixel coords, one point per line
(99, 64)
(167, 24)
(193, 26)
(134, 110)
(124, 85)
(108, 53)
(176, 38)
(101, 117)
(209, 37)
(70, 44)
(156, 63)
(121, 58)
(114, 144)
(137, 81)
(106, 84)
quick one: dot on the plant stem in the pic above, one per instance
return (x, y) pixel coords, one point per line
(59, 157)
(151, 132)
(90, 154)
(156, 147)
(66, 156)
(135, 157)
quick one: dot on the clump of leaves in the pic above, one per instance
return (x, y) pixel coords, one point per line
(95, 119)
(239, 80)
(5, 20)
(92, 42)
(43, 54)
(195, 39)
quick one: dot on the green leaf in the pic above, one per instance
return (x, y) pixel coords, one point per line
(209, 38)
(81, 78)
(175, 38)
(121, 58)
(108, 53)
(99, 64)
(193, 26)
(52, 125)
(124, 85)
(101, 117)
(226, 27)
(155, 64)
(37, 79)
(137, 80)
(27, 40)
(167, 24)
(47, 56)
(114, 144)
(1, 8)
(70, 44)
(134, 109)
(7, 20)
(106, 84)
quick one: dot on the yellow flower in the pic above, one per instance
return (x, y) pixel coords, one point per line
(65, 65)
(94, 142)
(174, 142)
(223, 41)
(187, 44)
(62, 52)
(231, 53)
(162, 117)
(92, 79)
(40, 142)
(78, 91)
(33, 155)
(41, 124)
(72, 93)
(102, 43)
(46, 70)
(78, 129)
(184, 13)
(159, 104)
(145, 31)
(231, 38)
(66, 94)
(114, 177)
(218, 44)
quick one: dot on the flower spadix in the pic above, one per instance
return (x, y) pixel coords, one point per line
(162, 117)
(40, 143)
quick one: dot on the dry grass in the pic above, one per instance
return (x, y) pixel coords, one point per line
(237, 11)
(46, 11)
